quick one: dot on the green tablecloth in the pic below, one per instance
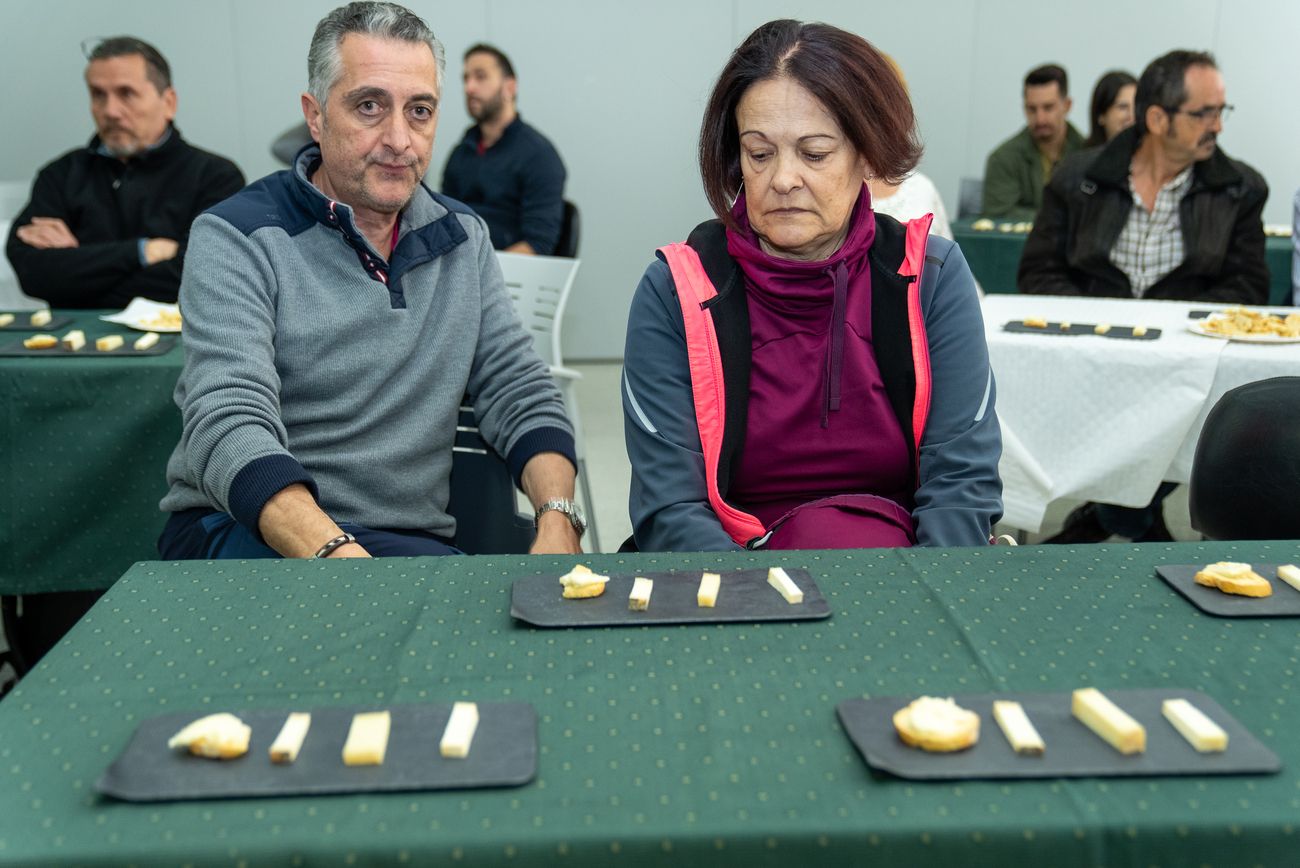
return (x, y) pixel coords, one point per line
(83, 452)
(704, 745)
(994, 257)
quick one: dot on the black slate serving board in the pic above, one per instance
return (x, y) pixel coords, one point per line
(1073, 750)
(16, 348)
(1080, 328)
(1284, 603)
(745, 596)
(503, 754)
(23, 322)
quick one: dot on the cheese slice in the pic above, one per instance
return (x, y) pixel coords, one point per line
(40, 342)
(108, 343)
(6, 319)
(1022, 735)
(74, 340)
(459, 734)
(1139, 331)
(217, 736)
(580, 582)
(287, 744)
(42, 317)
(779, 579)
(1201, 733)
(146, 341)
(367, 739)
(1290, 574)
(1101, 328)
(707, 595)
(639, 599)
(1109, 721)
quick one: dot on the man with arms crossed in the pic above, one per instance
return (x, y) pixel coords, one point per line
(109, 221)
(1159, 212)
(504, 169)
(336, 313)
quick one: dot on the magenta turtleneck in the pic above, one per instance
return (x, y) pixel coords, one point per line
(819, 420)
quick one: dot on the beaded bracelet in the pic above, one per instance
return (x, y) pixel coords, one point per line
(338, 542)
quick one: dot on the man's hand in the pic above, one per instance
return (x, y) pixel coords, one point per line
(160, 250)
(293, 525)
(555, 536)
(47, 233)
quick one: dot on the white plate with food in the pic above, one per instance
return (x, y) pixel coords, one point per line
(148, 316)
(1250, 326)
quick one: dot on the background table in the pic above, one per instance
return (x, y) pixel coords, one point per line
(1092, 418)
(994, 257)
(704, 745)
(83, 453)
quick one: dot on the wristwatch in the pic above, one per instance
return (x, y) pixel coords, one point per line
(569, 508)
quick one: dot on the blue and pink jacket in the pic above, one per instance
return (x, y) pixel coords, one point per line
(686, 390)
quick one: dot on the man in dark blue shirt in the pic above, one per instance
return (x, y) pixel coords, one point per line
(504, 169)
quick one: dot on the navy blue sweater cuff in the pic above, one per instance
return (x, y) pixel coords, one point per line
(540, 440)
(259, 481)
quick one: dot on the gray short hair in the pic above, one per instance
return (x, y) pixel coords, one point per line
(385, 20)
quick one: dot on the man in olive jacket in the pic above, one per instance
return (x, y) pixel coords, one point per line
(1017, 169)
(1159, 212)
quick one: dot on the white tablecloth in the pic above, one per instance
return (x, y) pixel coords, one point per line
(1093, 418)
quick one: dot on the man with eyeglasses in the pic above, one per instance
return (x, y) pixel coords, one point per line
(109, 221)
(1160, 212)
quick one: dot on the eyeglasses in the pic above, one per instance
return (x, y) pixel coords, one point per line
(1207, 115)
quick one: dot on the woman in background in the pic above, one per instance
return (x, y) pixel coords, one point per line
(1112, 107)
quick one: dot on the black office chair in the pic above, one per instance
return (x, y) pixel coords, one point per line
(488, 521)
(1246, 472)
(570, 230)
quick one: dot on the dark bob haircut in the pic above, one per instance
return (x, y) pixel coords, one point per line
(156, 68)
(853, 81)
(1164, 83)
(1103, 97)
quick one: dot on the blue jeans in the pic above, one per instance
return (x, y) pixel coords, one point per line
(192, 535)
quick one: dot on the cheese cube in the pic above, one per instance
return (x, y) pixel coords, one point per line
(74, 340)
(1201, 733)
(108, 343)
(367, 739)
(6, 319)
(1022, 735)
(1101, 328)
(459, 734)
(1109, 721)
(639, 599)
(42, 317)
(779, 579)
(1139, 331)
(146, 341)
(287, 744)
(1290, 574)
(707, 596)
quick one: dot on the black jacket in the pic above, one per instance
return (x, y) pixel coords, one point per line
(110, 205)
(1086, 205)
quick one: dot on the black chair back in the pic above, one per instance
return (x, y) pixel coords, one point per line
(1246, 472)
(482, 500)
(570, 230)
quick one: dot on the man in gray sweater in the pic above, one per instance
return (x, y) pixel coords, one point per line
(335, 314)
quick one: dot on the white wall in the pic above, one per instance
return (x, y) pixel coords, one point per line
(619, 86)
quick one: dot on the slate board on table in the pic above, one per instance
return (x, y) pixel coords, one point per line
(1080, 328)
(1284, 602)
(745, 596)
(23, 322)
(503, 754)
(1072, 750)
(16, 348)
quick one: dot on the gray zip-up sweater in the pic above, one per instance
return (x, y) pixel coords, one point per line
(309, 359)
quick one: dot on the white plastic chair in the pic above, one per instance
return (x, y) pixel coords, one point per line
(539, 287)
